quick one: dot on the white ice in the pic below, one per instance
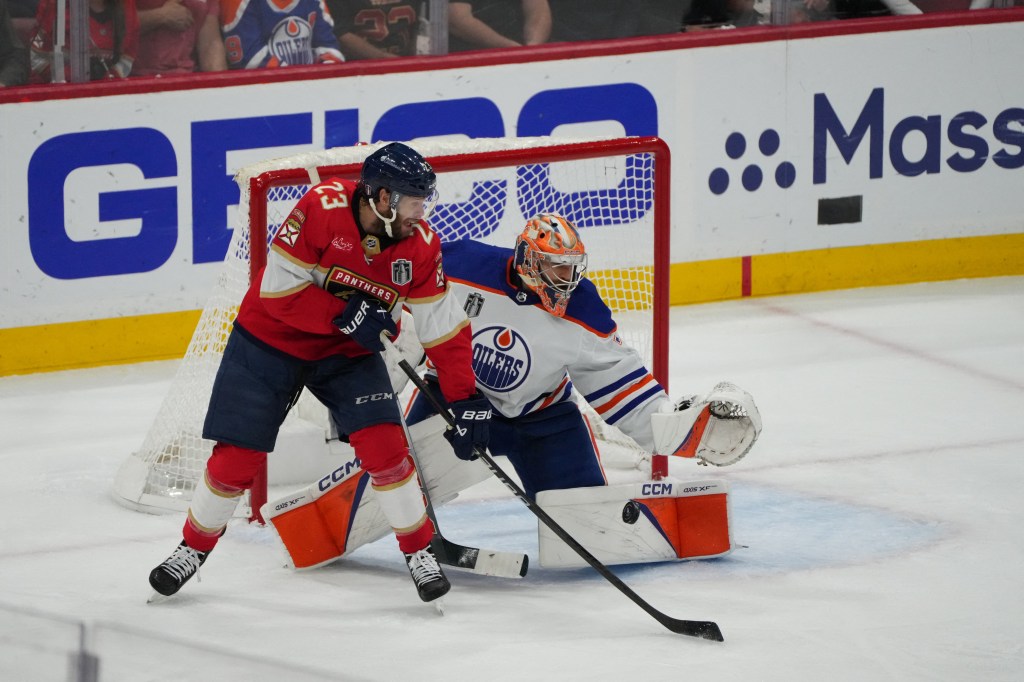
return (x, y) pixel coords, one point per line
(879, 518)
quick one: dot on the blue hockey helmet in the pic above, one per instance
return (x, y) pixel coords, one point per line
(398, 167)
(402, 171)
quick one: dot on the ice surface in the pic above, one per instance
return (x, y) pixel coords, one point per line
(879, 517)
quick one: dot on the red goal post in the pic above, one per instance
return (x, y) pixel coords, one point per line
(616, 191)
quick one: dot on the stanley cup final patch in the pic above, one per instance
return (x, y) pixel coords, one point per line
(474, 302)
(401, 271)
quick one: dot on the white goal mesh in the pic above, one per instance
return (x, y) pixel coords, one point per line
(615, 191)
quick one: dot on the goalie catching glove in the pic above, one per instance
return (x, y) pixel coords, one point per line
(718, 429)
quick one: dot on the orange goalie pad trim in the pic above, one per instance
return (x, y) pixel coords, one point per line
(695, 526)
(318, 532)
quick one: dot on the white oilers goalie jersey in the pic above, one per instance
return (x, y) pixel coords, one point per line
(526, 359)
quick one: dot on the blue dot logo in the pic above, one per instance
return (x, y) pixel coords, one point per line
(751, 175)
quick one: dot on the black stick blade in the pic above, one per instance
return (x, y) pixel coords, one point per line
(704, 629)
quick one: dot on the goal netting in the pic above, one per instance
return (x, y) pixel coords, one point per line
(614, 190)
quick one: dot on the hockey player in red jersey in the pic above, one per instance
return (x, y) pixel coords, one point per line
(340, 269)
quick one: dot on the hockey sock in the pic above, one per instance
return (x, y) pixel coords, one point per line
(383, 452)
(213, 505)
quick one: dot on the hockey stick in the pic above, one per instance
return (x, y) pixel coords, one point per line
(703, 629)
(482, 561)
(473, 559)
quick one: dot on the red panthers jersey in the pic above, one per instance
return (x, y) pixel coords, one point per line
(319, 256)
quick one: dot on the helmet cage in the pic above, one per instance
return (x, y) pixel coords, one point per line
(550, 259)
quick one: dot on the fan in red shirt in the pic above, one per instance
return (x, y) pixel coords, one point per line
(342, 266)
(113, 40)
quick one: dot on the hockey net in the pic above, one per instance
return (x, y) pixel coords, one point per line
(616, 191)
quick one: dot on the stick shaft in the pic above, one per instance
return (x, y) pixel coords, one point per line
(702, 629)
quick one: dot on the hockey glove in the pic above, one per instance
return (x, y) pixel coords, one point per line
(472, 426)
(364, 319)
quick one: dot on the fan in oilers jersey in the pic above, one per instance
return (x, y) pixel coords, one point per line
(271, 33)
(340, 269)
(539, 330)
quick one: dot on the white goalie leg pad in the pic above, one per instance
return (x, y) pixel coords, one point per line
(444, 474)
(409, 349)
(635, 523)
(333, 515)
(340, 512)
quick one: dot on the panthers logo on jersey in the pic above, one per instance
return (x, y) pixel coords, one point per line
(501, 358)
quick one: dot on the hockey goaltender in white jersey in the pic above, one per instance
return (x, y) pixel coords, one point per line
(540, 330)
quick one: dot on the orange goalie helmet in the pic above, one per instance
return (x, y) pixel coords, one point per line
(550, 259)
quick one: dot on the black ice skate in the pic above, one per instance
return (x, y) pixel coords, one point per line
(431, 583)
(168, 577)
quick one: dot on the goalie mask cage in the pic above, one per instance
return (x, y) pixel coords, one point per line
(616, 191)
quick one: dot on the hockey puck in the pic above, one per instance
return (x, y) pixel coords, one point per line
(631, 512)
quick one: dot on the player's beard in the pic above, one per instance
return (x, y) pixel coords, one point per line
(403, 227)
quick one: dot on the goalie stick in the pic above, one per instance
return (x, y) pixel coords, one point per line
(473, 559)
(702, 629)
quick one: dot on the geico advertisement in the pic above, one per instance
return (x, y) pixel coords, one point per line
(123, 205)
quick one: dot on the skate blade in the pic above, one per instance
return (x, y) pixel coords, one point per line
(439, 605)
(157, 598)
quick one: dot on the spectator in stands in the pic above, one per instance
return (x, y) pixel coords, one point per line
(604, 19)
(13, 55)
(23, 17)
(480, 24)
(803, 11)
(113, 40)
(179, 36)
(23, 9)
(274, 33)
(709, 14)
(375, 29)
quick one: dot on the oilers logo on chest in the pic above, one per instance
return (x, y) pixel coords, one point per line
(291, 41)
(501, 358)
